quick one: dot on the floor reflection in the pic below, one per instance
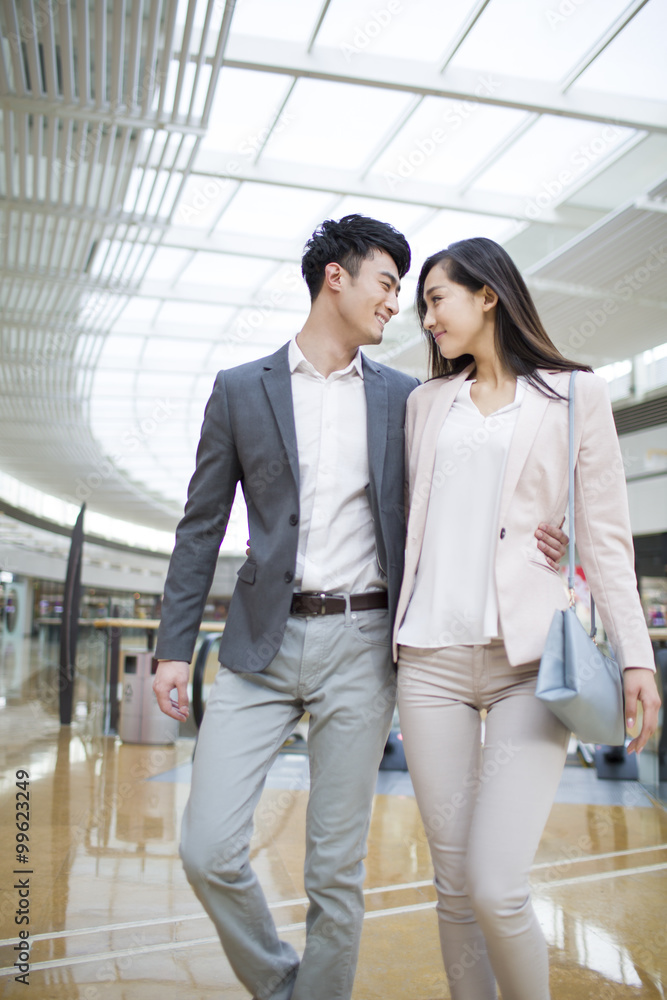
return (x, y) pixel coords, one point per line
(114, 919)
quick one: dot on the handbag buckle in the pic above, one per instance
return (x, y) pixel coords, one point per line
(572, 597)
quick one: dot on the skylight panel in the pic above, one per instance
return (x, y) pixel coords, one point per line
(278, 212)
(346, 139)
(110, 259)
(244, 110)
(167, 263)
(402, 216)
(265, 325)
(192, 315)
(170, 385)
(168, 88)
(202, 200)
(286, 284)
(113, 383)
(551, 159)
(444, 140)
(197, 22)
(392, 28)
(287, 21)
(633, 64)
(448, 227)
(198, 100)
(168, 195)
(167, 351)
(223, 270)
(229, 354)
(141, 310)
(120, 351)
(553, 37)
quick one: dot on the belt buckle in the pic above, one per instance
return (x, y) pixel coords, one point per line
(323, 604)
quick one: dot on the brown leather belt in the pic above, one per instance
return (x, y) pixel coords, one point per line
(323, 604)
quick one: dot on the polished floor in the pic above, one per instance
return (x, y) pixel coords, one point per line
(113, 918)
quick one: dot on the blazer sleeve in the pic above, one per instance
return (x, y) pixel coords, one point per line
(602, 525)
(201, 530)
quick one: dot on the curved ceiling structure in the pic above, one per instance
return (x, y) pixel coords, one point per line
(165, 160)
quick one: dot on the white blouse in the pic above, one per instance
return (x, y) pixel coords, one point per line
(454, 601)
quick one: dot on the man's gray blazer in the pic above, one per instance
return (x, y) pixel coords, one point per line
(249, 436)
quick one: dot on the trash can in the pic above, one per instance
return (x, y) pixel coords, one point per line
(141, 720)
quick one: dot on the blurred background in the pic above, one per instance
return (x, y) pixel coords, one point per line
(163, 163)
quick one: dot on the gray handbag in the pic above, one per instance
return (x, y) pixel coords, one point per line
(581, 686)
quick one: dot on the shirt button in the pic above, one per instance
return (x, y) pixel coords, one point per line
(289, 577)
(502, 532)
(294, 519)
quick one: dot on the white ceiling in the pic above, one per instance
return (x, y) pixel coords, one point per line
(164, 162)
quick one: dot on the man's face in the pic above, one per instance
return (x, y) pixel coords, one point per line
(368, 301)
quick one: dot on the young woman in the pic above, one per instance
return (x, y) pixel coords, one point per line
(488, 448)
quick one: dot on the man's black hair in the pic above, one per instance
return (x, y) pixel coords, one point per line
(349, 242)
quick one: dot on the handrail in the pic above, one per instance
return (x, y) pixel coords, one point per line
(198, 676)
(147, 623)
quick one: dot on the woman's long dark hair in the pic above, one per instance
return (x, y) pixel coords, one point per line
(522, 343)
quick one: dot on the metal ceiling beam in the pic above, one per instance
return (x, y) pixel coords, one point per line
(607, 38)
(389, 187)
(272, 300)
(412, 76)
(98, 115)
(572, 290)
(465, 29)
(188, 238)
(651, 205)
(320, 20)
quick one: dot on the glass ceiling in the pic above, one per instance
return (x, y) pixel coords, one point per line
(525, 122)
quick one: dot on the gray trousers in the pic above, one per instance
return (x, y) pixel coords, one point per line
(339, 669)
(484, 808)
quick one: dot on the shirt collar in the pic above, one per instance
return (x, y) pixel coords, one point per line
(298, 360)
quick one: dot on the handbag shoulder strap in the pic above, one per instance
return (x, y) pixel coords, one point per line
(572, 546)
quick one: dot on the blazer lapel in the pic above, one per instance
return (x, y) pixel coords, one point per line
(528, 423)
(425, 439)
(425, 442)
(376, 420)
(278, 385)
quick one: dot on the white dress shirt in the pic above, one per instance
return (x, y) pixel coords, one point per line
(454, 601)
(336, 548)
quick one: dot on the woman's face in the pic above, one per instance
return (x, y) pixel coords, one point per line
(460, 321)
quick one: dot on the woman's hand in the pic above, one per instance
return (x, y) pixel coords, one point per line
(639, 684)
(553, 542)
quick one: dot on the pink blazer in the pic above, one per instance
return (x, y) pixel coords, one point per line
(534, 490)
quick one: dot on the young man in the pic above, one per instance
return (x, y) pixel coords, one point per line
(315, 435)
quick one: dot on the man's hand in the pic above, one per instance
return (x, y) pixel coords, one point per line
(553, 542)
(172, 674)
(639, 684)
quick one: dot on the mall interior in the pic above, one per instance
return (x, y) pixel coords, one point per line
(163, 164)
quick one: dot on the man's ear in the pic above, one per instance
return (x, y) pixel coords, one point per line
(333, 276)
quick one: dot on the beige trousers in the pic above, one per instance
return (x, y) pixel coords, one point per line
(484, 808)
